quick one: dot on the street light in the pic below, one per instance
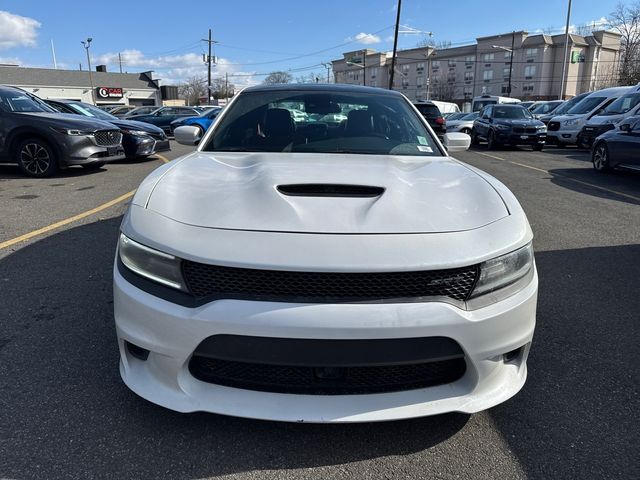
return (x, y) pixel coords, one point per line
(86, 44)
(510, 50)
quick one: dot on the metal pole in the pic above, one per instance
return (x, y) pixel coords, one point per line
(364, 68)
(120, 61)
(566, 52)
(513, 38)
(395, 46)
(209, 72)
(429, 72)
(53, 54)
(93, 98)
(226, 87)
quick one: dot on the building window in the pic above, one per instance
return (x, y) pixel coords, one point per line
(420, 94)
(405, 68)
(532, 52)
(505, 72)
(468, 76)
(486, 90)
(452, 63)
(487, 75)
(405, 83)
(507, 55)
(529, 72)
(505, 89)
(469, 59)
(468, 92)
(374, 72)
(488, 57)
(420, 82)
(451, 78)
(420, 68)
(528, 87)
(435, 65)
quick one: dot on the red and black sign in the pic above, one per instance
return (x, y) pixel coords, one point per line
(108, 92)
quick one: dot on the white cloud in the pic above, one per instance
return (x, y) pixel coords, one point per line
(173, 69)
(10, 61)
(365, 38)
(17, 31)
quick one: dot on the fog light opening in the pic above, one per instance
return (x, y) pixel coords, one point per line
(137, 352)
(513, 355)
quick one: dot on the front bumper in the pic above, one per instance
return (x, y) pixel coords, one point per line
(172, 332)
(521, 138)
(588, 134)
(82, 150)
(565, 137)
(143, 145)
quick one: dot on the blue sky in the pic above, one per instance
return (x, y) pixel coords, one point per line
(255, 36)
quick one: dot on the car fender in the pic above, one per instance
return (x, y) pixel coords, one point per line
(24, 131)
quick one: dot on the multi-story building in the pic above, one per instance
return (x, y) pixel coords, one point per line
(531, 66)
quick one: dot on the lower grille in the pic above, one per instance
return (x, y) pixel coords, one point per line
(524, 130)
(216, 282)
(326, 380)
(108, 138)
(553, 126)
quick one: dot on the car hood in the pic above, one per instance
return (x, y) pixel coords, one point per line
(517, 122)
(68, 120)
(457, 123)
(605, 119)
(239, 191)
(133, 125)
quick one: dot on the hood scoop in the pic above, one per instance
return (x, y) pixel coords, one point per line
(330, 190)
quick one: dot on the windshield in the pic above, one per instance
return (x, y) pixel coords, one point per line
(586, 105)
(17, 101)
(331, 122)
(429, 111)
(623, 104)
(480, 104)
(545, 108)
(511, 112)
(456, 116)
(91, 111)
(470, 116)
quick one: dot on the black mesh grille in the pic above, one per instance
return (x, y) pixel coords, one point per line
(553, 126)
(326, 381)
(321, 287)
(108, 138)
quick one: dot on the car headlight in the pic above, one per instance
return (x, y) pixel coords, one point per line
(72, 131)
(505, 270)
(541, 128)
(572, 122)
(503, 127)
(150, 263)
(134, 132)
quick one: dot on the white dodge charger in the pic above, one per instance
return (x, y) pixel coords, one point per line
(333, 267)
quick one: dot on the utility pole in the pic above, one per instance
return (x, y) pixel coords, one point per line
(395, 46)
(209, 60)
(226, 87)
(86, 44)
(364, 68)
(513, 41)
(53, 54)
(566, 51)
(120, 61)
(328, 67)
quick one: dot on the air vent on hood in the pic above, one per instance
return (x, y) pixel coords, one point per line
(330, 190)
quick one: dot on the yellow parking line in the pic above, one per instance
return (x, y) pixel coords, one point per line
(75, 218)
(604, 189)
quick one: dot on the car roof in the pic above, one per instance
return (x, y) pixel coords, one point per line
(319, 87)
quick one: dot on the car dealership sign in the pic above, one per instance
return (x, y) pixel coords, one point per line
(108, 92)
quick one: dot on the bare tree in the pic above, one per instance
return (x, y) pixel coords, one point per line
(430, 42)
(312, 77)
(583, 29)
(193, 89)
(442, 89)
(221, 88)
(625, 19)
(278, 77)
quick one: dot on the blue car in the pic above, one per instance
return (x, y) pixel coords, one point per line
(202, 121)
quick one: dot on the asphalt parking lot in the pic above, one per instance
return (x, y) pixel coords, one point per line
(64, 412)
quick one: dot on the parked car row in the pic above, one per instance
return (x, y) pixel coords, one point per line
(41, 139)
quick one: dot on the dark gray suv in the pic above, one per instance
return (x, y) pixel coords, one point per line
(41, 140)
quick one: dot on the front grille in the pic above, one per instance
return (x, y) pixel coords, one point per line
(553, 126)
(216, 282)
(524, 130)
(326, 380)
(157, 136)
(531, 130)
(108, 138)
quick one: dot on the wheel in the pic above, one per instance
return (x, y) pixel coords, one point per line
(36, 158)
(93, 166)
(491, 141)
(600, 158)
(474, 138)
(537, 148)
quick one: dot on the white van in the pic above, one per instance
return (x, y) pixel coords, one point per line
(446, 107)
(564, 129)
(625, 106)
(483, 100)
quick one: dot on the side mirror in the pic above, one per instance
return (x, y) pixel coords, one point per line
(187, 135)
(625, 127)
(456, 142)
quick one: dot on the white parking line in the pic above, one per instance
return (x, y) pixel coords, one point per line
(605, 189)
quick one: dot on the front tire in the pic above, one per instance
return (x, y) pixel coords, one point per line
(491, 141)
(474, 138)
(600, 158)
(36, 158)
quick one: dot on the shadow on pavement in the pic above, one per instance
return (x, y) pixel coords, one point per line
(10, 171)
(65, 412)
(627, 183)
(577, 416)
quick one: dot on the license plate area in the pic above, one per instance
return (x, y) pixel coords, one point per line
(112, 151)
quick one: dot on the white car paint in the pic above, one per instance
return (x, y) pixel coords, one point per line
(223, 208)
